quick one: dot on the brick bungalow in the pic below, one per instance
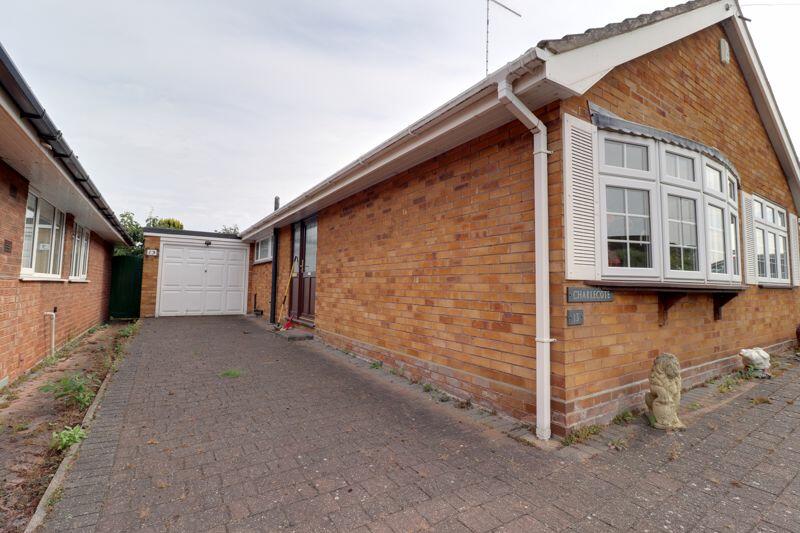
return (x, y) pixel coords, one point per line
(56, 234)
(535, 242)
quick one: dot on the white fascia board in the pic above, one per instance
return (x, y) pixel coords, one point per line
(761, 91)
(412, 140)
(27, 141)
(197, 240)
(582, 67)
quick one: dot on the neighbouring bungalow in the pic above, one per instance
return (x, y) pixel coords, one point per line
(57, 234)
(535, 242)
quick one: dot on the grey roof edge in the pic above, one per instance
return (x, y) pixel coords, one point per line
(606, 120)
(191, 233)
(593, 35)
(12, 81)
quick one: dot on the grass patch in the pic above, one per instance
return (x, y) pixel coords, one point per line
(624, 418)
(694, 406)
(231, 373)
(581, 435)
(67, 437)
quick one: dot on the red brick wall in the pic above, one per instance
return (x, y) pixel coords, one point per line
(147, 307)
(433, 270)
(683, 88)
(259, 284)
(24, 330)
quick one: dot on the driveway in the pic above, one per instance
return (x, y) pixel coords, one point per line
(309, 439)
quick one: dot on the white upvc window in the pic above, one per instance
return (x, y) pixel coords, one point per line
(684, 242)
(667, 213)
(81, 240)
(43, 239)
(771, 242)
(264, 250)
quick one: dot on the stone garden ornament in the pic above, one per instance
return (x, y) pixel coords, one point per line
(664, 397)
(756, 359)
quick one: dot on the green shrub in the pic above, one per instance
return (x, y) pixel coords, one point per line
(76, 390)
(67, 437)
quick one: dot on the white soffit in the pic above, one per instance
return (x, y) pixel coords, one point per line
(21, 150)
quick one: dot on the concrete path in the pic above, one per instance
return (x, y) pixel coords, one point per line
(308, 439)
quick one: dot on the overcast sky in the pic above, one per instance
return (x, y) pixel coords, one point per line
(204, 111)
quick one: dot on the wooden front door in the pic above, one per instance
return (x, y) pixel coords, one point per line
(304, 279)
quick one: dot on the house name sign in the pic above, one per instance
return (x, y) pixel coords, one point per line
(588, 294)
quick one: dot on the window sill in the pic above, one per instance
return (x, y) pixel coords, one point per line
(666, 286)
(262, 261)
(78, 280)
(785, 286)
(42, 278)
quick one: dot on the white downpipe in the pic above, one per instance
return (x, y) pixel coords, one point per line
(505, 93)
(52, 316)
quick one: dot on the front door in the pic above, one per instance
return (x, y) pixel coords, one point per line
(304, 278)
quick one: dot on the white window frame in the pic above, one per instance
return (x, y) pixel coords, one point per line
(655, 234)
(30, 272)
(81, 245)
(257, 256)
(660, 186)
(650, 144)
(666, 191)
(780, 231)
(699, 177)
(715, 202)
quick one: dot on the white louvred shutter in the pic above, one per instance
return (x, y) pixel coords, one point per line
(794, 249)
(581, 200)
(748, 234)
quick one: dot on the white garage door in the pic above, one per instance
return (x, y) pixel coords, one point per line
(202, 280)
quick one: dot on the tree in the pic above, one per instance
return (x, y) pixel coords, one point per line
(132, 228)
(230, 230)
(172, 223)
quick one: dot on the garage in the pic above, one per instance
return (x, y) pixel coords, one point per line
(198, 273)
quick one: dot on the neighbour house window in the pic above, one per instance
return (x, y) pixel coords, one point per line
(264, 249)
(80, 253)
(771, 237)
(43, 238)
(668, 213)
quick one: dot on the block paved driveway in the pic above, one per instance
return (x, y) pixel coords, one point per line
(309, 439)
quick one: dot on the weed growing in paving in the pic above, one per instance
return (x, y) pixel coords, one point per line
(129, 330)
(56, 497)
(624, 418)
(581, 435)
(231, 373)
(618, 444)
(427, 387)
(376, 365)
(731, 381)
(67, 437)
(694, 406)
(76, 390)
(758, 400)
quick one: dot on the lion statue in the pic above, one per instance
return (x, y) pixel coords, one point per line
(664, 397)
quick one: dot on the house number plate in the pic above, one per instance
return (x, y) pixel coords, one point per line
(588, 294)
(574, 317)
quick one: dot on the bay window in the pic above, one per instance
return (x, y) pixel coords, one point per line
(650, 189)
(771, 236)
(43, 238)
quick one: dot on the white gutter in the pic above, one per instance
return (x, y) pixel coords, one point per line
(505, 93)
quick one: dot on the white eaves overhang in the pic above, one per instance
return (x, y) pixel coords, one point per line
(541, 76)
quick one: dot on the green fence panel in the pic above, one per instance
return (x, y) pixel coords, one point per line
(126, 286)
